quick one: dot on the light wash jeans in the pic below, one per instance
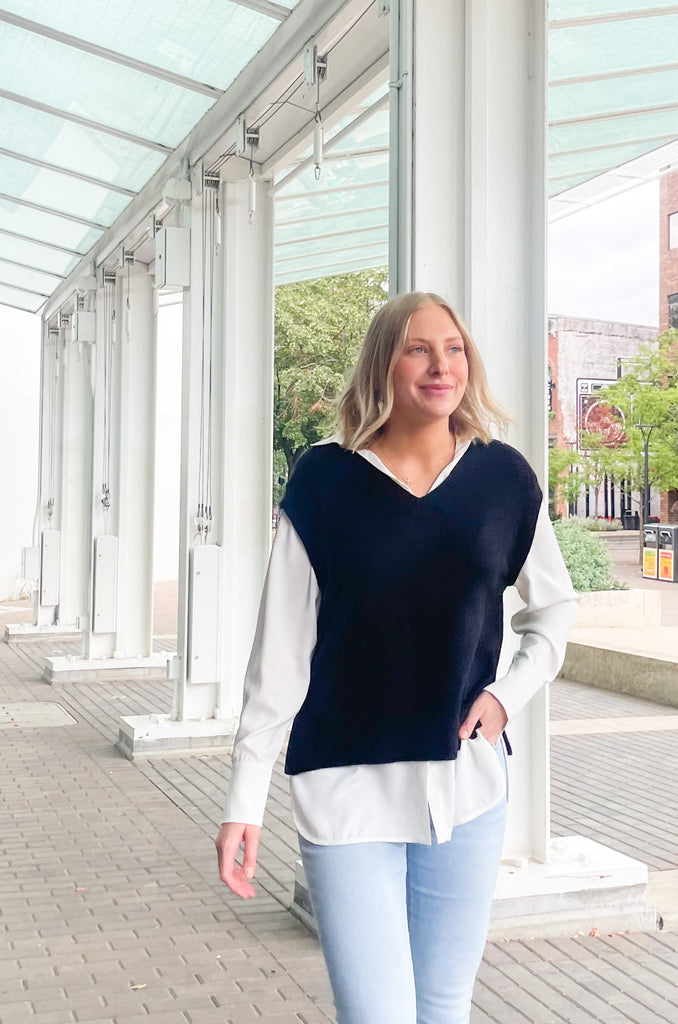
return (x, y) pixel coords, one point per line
(403, 925)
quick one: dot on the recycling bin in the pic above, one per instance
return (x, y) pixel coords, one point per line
(667, 553)
(650, 551)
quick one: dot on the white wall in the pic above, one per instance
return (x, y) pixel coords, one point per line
(168, 444)
(19, 400)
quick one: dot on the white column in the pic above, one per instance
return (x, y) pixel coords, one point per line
(47, 518)
(246, 483)
(221, 573)
(76, 458)
(468, 221)
(136, 419)
(99, 639)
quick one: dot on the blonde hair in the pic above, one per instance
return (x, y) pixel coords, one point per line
(367, 403)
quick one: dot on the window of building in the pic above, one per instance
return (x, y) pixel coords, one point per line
(673, 230)
(673, 310)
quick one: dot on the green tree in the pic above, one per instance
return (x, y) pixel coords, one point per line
(565, 483)
(319, 327)
(648, 394)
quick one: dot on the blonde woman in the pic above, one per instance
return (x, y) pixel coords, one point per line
(378, 641)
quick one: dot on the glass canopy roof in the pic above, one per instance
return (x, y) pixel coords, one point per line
(94, 98)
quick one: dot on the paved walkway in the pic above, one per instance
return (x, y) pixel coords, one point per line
(111, 910)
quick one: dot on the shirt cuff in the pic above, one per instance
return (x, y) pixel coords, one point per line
(247, 794)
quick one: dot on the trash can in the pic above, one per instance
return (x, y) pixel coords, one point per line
(667, 545)
(650, 548)
(630, 520)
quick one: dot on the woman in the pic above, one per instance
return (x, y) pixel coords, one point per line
(378, 638)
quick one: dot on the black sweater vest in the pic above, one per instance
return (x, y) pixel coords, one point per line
(410, 621)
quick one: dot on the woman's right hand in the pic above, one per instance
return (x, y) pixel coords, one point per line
(232, 835)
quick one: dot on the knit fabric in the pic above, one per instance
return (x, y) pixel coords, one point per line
(410, 622)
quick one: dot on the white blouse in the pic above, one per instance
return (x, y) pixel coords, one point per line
(382, 802)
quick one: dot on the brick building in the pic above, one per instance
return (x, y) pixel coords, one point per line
(668, 289)
(585, 355)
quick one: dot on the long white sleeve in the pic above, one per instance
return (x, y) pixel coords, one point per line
(277, 675)
(543, 624)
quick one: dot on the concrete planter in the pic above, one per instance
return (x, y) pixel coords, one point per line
(622, 609)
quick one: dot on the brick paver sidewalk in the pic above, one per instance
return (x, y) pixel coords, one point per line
(111, 909)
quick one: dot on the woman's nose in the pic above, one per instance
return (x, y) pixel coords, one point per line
(438, 364)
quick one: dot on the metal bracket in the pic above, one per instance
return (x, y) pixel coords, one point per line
(315, 67)
(64, 319)
(211, 179)
(108, 277)
(245, 138)
(126, 257)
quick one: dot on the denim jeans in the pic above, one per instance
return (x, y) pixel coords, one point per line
(403, 925)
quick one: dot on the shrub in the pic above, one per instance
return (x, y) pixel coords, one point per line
(586, 557)
(602, 525)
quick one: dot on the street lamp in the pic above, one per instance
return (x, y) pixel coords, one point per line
(646, 429)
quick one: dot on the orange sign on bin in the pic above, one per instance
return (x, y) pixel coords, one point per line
(666, 565)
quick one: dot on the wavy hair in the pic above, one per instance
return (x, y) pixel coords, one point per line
(365, 406)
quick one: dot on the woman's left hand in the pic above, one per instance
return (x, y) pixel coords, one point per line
(488, 715)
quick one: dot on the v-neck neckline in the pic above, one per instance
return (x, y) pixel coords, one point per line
(388, 474)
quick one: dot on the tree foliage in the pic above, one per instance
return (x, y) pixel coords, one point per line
(319, 327)
(646, 394)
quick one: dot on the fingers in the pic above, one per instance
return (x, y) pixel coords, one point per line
(488, 715)
(236, 877)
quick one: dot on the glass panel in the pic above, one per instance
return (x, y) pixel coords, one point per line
(327, 243)
(78, 82)
(339, 174)
(658, 127)
(59, 191)
(343, 220)
(564, 184)
(38, 256)
(349, 201)
(334, 255)
(207, 40)
(46, 227)
(33, 280)
(373, 132)
(49, 138)
(561, 9)
(315, 270)
(613, 46)
(594, 162)
(23, 300)
(610, 95)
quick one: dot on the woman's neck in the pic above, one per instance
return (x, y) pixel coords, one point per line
(421, 443)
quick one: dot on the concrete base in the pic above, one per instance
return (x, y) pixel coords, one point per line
(25, 632)
(619, 609)
(585, 886)
(100, 670)
(653, 678)
(145, 735)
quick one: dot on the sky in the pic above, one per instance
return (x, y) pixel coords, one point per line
(604, 261)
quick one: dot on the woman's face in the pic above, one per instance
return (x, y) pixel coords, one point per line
(429, 377)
